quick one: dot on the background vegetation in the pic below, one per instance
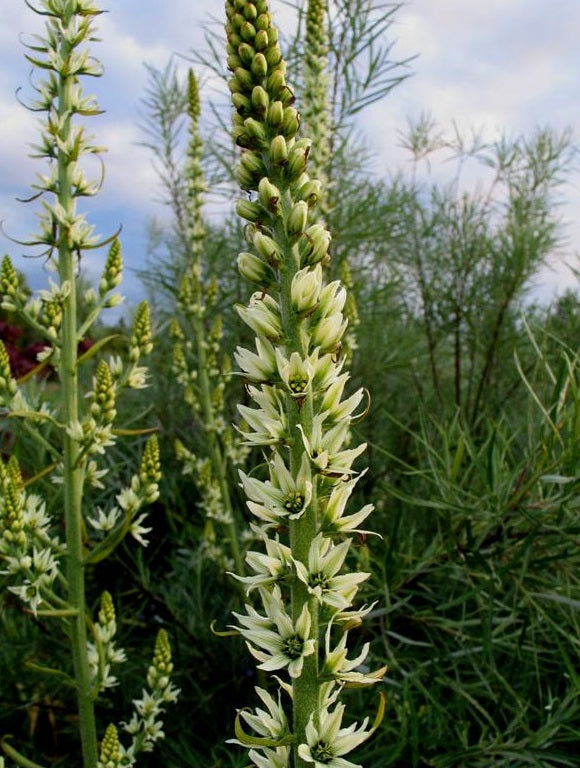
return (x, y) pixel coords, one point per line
(474, 446)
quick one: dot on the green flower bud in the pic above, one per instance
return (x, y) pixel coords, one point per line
(275, 114)
(290, 123)
(107, 609)
(314, 244)
(310, 192)
(9, 285)
(297, 219)
(261, 42)
(276, 82)
(267, 248)
(255, 129)
(112, 273)
(250, 211)
(260, 65)
(241, 103)
(7, 383)
(246, 53)
(260, 100)
(250, 11)
(273, 55)
(141, 340)
(297, 160)
(254, 269)
(110, 754)
(262, 22)
(103, 395)
(248, 31)
(233, 62)
(279, 150)
(244, 79)
(269, 195)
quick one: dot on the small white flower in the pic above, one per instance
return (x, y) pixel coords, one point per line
(284, 643)
(138, 531)
(327, 743)
(322, 577)
(105, 521)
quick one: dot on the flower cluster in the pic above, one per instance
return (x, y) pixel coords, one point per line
(28, 552)
(146, 725)
(299, 415)
(81, 424)
(103, 651)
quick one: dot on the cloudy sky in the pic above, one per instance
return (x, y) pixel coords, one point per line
(494, 65)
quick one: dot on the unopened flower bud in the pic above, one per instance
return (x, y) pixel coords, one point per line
(255, 129)
(267, 248)
(314, 244)
(251, 211)
(262, 41)
(246, 53)
(305, 289)
(279, 150)
(248, 31)
(112, 274)
(141, 340)
(259, 65)
(245, 79)
(297, 219)
(260, 100)
(262, 22)
(290, 123)
(253, 268)
(249, 11)
(310, 192)
(275, 114)
(276, 82)
(269, 195)
(241, 103)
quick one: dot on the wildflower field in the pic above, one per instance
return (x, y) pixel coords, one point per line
(315, 503)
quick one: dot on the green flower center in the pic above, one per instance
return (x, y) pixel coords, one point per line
(319, 579)
(293, 502)
(322, 752)
(298, 383)
(292, 647)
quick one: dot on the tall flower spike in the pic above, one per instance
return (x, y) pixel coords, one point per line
(297, 410)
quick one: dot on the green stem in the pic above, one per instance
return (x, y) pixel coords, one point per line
(73, 467)
(305, 688)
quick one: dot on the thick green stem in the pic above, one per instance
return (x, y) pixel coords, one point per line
(73, 467)
(303, 530)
